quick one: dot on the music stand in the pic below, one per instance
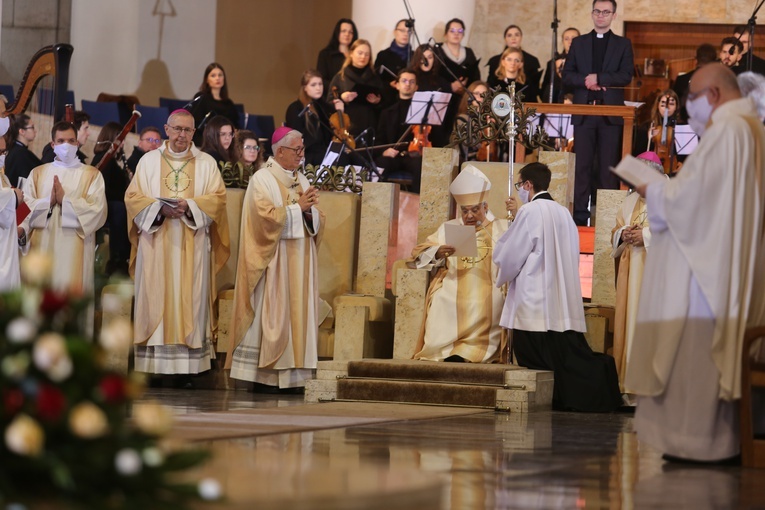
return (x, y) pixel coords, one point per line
(428, 108)
(558, 125)
(685, 139)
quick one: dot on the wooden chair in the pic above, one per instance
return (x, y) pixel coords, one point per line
(752, 376)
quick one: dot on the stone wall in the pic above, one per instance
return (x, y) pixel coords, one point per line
(27, 26)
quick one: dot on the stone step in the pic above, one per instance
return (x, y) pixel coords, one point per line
(477, 373)
(417, 392)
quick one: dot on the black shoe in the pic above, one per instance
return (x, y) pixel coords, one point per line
(265, 389)
(184, 382)
(455, 358)
(292, 391)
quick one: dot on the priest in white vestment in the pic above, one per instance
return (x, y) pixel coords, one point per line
(67, 204)
(463, 306)
(176, 205)
(704, 279)
(630, 238)
(275, 323)
(10, 234)
(538, 257)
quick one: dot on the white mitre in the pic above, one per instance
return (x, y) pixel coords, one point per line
(471, 187)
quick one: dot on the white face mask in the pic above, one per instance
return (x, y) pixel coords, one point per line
(699, 113)
(65, 152)
(523, 195)
(5, 123)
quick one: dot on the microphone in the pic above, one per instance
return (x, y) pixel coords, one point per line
(204, 121)
(305, 110)
(361, 135)
(433, 44)
(188, 105)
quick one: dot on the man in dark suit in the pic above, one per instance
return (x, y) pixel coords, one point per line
(399, 165)
(598, 66)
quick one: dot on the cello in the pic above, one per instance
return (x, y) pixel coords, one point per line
(341, 123)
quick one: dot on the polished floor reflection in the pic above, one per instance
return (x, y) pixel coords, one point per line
(483, 460)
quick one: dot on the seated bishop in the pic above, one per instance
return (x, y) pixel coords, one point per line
(463, 306)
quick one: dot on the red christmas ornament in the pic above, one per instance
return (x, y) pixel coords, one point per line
(13, 401)
(113, 389)
(50, 403)
(52, 302)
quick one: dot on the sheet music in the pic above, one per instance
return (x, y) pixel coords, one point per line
(420, 104)
(636, 173)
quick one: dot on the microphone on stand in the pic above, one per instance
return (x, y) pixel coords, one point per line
(305, 110)
(204, 121)
(188, 105)
(362, 135)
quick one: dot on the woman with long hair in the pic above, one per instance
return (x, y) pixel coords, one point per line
(333, 55)
(428, 71)
(116, 180)
(248, 158)
(314, 122)
(217, 140)
(359, 87)
(531, 66)
(510, 71)
(213, 97)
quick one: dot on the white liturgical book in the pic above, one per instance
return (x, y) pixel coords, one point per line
(462, 237)
(636, 173)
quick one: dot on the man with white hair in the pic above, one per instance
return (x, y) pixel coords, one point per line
(463, 306)
(176, 206)
(275, 323)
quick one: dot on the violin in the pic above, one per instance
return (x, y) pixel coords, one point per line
(340, 123)
(420, 139)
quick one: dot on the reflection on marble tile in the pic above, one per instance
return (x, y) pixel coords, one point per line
(485, 460)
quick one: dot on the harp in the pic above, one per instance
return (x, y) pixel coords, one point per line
(49, 61)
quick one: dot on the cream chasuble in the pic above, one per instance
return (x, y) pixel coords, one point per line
(9, 241)
(629, 261)
(462, 306)
(66, 232)
(702, 287)
(275, 322)
(174, 261)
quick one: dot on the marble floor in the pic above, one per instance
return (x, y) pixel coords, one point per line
(483, 460)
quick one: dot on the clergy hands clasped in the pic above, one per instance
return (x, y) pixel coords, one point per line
(179, 210)
(633, 235)
(57, 193)
(308, 198)
(591, 82)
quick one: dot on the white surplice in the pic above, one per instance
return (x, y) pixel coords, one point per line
(66, 232)
(704, 283)
(539, 257)
(9, 244)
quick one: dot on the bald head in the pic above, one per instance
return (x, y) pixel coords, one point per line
(718, 81)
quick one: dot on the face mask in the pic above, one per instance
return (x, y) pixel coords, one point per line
(2, 161)
(523, 194)
(5, 123)
(699, 113)
(65, 152)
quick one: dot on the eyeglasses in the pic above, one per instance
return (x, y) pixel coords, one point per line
(180, 129)
(225, 135)
(298, 150)
(518, 185)
(253, 148)
(408, 82)
(457, 30)
(599, 13)
(151, 140)
(28, 127)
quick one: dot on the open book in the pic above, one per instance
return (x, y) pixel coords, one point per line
(636, 173)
